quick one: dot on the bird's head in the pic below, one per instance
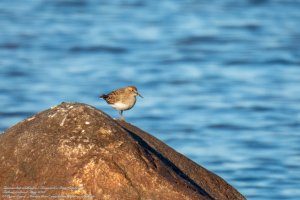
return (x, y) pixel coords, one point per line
(134, 90)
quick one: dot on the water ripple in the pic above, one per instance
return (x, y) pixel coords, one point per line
(98, 48)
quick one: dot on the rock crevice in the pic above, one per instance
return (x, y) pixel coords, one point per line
(168, 163)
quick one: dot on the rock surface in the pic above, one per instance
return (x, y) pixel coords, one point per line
(74, 149)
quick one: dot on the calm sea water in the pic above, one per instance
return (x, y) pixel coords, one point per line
(221, 79)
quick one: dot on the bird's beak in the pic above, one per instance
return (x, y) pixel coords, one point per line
(139, 94)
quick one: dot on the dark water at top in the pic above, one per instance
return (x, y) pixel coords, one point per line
(221, 79)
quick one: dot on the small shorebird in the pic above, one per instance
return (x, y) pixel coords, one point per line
(122, 99)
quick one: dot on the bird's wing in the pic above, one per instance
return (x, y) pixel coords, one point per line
(114, 96)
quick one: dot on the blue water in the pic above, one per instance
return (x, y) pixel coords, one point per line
(221, 79)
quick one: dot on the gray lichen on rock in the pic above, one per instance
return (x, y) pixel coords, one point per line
(74, 144)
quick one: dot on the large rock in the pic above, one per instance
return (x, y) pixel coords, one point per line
(76, 150)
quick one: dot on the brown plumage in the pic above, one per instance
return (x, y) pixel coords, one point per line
(122, 99)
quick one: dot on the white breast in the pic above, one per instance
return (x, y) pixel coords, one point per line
(121, 106)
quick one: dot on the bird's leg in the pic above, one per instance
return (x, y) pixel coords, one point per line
(121, 114)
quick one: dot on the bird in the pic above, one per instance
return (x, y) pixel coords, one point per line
(122, 99)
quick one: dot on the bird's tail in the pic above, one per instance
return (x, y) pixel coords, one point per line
(103, 96)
